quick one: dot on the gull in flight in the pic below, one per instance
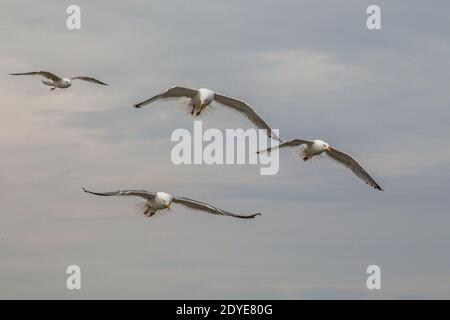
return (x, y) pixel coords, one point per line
(56, 82)
(155, 201)
(317, 147)
(199, 99)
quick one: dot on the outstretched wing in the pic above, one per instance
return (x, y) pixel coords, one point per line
(89, 79)
(174, 92)
(197, 205)
(351, 163)
(247, 111)
(288, 143)
(138, 193)
(46, 74)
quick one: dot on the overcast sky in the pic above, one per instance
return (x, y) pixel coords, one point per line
(310, 68)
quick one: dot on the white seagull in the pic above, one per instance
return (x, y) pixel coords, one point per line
(199, 99)
(317, 147)
(56, 82)
(155, 201)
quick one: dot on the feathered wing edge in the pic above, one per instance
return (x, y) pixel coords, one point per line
(197, 205)
(247, 111)
(288, 143)
(353, 165)
(45, 74)
(138, 193)
(90, 79)
(173, 92)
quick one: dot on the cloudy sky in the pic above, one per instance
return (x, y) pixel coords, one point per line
(310, 68)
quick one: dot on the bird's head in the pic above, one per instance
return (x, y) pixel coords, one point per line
(322, 145)
(165, 199)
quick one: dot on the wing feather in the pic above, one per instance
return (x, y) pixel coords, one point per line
(89, 79)
(197, 205)
(247, 111)
(288, 143)
(46, 74)
(351, 163)
(173, 92)
(139, 193)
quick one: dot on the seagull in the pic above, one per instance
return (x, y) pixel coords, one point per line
(317, 147)
(199, 99)
(56, 82)
(155, 201)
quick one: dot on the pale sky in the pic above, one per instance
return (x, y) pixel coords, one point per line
(310, 68)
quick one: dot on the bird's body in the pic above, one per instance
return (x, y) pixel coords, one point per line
(158, 201)
(54, 81)
(62, 83)
(200, 99)
(316, 148)
(161, 201)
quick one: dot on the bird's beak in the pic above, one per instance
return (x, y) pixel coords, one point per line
(328, 149)
(168, 206)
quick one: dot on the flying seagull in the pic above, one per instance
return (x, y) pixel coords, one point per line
(199, 99)
(317, 147)
(155, 201)
(56, 82)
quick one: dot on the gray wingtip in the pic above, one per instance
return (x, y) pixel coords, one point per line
(376, 186)
(250, 216)
(87, 191)
(264, 151)
(254, 215)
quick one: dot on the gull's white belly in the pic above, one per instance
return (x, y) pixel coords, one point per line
(196, 101)
(204, 97)
(58, 84)
(314, 149)
(156, 204)
(61, 84)
(201, 100)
